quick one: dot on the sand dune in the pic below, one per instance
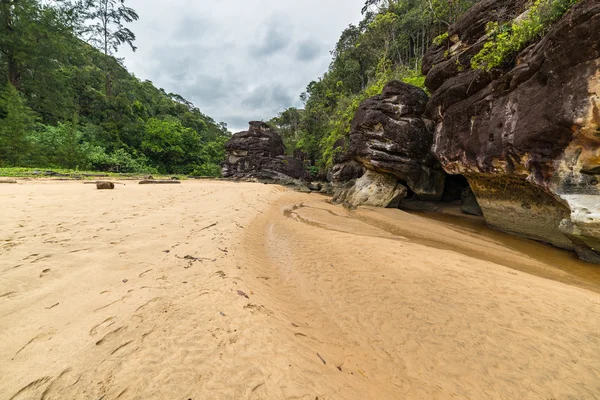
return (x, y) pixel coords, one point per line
(219, 290)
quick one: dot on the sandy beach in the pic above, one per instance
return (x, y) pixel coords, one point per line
(222, 290)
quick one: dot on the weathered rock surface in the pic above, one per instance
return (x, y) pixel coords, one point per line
(389, 135)
(344, 168)
(371, 189)
(527, 137)
(259, 153)
(469, 204)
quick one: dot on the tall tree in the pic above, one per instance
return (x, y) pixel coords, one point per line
(35, 43)
(16, 120)
(106, 29)
(29, 35)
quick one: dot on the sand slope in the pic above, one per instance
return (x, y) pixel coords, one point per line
(133, 294)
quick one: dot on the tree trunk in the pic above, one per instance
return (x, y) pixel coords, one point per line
(14, 75)
(106, 62)
(13, 72)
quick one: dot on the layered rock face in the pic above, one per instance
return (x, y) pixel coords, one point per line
(389, 135)
(259, 153)
(389, 138)
(526, 138)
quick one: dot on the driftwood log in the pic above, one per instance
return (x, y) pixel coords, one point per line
(10, 181)
(96, 182)
(153, 182)
(105, 185)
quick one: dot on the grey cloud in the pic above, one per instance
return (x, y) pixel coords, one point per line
(237, 61)
(237, 123)
(191, 28)
(268, 97)
(308, 51)
(208, 87)
(274, 38)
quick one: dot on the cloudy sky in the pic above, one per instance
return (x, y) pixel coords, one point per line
(237, 60)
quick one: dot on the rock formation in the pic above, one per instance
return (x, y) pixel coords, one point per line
(259, 153)
(371, 189)
(389, 137)
(104, 185)
(526, 137)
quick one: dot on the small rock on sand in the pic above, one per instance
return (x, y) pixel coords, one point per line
(105, 185)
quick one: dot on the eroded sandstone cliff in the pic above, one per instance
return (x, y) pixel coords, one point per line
(526, 136)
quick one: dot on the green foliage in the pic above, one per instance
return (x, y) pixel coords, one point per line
(438, 40)
(118, 161)
(506, 40)
(288, 124)
(48, 75)
(60, 145)
(16, 119)
(340, 123)
(165, 141)
(31, 172)
(106, 29)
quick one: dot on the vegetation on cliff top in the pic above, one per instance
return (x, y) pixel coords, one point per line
(505, 41)
(387, 44)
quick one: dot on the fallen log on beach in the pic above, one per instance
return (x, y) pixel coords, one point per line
(153, 182)
(96, 182)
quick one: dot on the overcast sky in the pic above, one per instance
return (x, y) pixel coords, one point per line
(237, 60)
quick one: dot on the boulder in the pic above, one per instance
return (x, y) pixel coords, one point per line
(104, 185)
(527, 135)
(372, 189)
(389, 135)
(259, 153)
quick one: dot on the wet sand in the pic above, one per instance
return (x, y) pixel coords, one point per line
(219, 290)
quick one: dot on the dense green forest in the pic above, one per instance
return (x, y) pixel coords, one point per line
(387, 44)
(67, 101)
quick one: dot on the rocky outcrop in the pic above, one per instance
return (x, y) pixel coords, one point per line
(392, 142)
(258, 153)
(345, 168)
(371, 189)
(389, 135)
(527, 136)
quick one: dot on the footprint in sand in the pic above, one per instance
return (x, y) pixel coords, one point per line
(41, 258)
(45, 335)
(144, 273)
(45, 272)
(110, 335)
(33, 390)
(104, 324)
(65, 379)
